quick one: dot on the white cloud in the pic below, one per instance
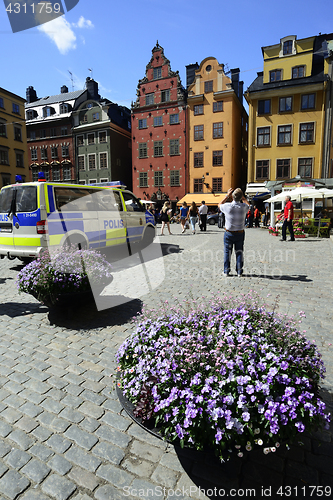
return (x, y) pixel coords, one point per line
(61, 33)
(83, 23)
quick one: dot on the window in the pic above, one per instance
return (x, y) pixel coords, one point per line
(198, 132)
(306, 132)
(92, 162)
(217, 130)
(80, 162)
(80, 140)
(63, 130)
(3, 131)
(43, 154)
(275, 75)
(143, 179)
(174, 119)
(30, 114)
(54, 152)
(174, 146)
(305, 167)
(34, 154)
(143, 150)
(198, 109)
(158, 148)
(56, 173)
(16, 108)
(90, 105)
(158, 121)
(1, 103)
(4, 158)
(165, 95)
(64, 151)
(287, 47)
(217, 184)
(217, 106)
(91, 138)
(102, 137)
(105, 180)
(47, 111)
(42, 133)
(143, 123)
(308, 101)
(32, 134)
(284, 134)
(198, 185)
(263, 136)
(262, 169)
(103, 160)
(46, 171)
(53, 132)
(149, 99)
(264, 106)
(198, 159)
(217, 158)
(95, 117)
(174, 178)
(298, 72)
(63, 108)
(285, 104)
(85, 118)
(67, 172)
(158, 179)
(17, 133)
(19, 160)
(157, 73)
(209, 86)
(283, 169)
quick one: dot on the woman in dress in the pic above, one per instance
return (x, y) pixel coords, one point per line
(165, 217)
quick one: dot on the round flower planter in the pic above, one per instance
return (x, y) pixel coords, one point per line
(300, 236)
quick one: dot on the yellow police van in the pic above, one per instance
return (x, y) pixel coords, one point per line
(38, 215)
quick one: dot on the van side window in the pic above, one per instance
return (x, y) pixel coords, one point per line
(6, 197)
(71, 199)
(107, 200)
(132, 203)
(26, 199)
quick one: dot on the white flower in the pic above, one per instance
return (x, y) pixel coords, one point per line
(260, 442)
(240, 454)
(273, 449)
(248, 447)
(237, 446)
(277, 445)
(257, 431)
(266, 451)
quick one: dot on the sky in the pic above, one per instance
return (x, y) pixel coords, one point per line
(114, 39)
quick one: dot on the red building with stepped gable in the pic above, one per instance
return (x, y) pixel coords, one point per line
(159, 133)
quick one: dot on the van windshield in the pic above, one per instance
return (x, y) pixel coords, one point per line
(26, 198)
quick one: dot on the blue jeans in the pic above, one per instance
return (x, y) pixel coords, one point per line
(233, 240)
(193, 221)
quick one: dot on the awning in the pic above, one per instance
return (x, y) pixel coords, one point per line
(209, 198)
(253, 189)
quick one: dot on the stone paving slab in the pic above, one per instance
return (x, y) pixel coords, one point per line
(63, 432)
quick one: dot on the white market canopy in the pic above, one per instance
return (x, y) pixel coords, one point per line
(299, 193)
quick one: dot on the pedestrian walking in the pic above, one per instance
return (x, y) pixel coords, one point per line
(288, 220)
(266, 216)
(165, 217)
(256, 216)
(250, 216)
(234, 228)
(183, 216)
(203, 210)
(194, 214)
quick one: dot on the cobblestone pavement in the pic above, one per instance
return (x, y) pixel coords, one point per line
(63, 433)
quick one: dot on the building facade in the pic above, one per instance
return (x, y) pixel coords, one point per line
(159, 132)
(290, 115)
(13, 138)
(217, 138)
(50, 140)
(102, 137)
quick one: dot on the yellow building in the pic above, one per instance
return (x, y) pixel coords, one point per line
(290, 115)
(13, 138)
(217, 131)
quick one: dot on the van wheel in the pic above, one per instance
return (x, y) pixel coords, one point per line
(148, 237)
(75, 241)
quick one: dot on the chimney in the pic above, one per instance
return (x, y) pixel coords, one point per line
(236, 84)
(31, 95)
(92, 88)
(190, 73)
(64, 89)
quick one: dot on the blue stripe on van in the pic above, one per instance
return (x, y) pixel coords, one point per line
(133, 231)
(65, 216)
(51, 198)
(61, 227)
(93, 235)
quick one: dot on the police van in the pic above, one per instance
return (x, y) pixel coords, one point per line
(38, 215)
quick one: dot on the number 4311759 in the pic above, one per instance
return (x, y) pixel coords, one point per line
(38, 8)
(305, 491)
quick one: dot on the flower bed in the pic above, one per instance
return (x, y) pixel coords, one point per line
(231, 377)
(63, 272)
(273, 231)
